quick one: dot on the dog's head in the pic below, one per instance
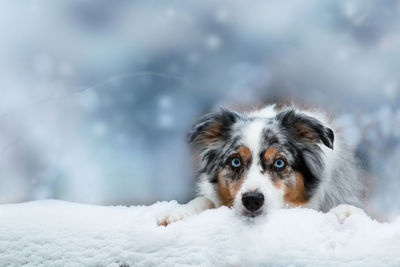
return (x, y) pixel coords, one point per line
(257, 161)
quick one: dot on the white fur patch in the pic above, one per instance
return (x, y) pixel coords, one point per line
(343, 211)
(266, 112)
(252, 135)
(195, 206)
(255, 179)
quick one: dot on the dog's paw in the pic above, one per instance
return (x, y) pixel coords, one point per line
(195, 206)
(174, 215)
(343, 211)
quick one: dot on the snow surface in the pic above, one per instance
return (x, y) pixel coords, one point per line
(57, 233)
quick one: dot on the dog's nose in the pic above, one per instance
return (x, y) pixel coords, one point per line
(252, 200)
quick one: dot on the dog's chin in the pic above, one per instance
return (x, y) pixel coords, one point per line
(253, 214)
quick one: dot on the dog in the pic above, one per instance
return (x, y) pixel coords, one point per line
(274, 157)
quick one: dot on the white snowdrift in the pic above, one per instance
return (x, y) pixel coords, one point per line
(56, 233)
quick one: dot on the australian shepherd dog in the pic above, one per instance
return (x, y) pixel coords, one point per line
(275, 157)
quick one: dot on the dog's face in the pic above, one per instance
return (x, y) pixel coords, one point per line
(257, 162)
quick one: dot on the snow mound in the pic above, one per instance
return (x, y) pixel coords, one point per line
(56, 233)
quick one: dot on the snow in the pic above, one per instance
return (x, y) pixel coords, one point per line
(57, 233)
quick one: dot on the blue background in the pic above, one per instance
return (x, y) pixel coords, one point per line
(96, 97)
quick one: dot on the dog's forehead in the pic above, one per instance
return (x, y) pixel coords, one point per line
(255, 132)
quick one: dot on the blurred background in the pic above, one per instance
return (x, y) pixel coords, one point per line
(96, 97)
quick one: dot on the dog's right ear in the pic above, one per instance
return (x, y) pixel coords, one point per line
(212, 128)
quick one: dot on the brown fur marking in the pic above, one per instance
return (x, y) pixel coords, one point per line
(245, 153)
(296, 194)
(270, 153)
(227, 190)
(212, 132)
(305, 132)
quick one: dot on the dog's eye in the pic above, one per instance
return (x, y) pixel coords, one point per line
(279, 164)
(236, 162)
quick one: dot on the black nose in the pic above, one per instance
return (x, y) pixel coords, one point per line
(253, 200)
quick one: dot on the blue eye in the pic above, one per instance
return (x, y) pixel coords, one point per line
(236, 162)
(279, 164)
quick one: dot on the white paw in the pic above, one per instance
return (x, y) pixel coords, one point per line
(343, 211)
(176, 214)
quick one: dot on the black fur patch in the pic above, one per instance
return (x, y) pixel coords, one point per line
(311, 171)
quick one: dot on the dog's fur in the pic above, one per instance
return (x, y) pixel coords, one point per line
(285, 156)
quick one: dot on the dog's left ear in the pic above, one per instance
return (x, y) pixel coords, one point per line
(305, 128)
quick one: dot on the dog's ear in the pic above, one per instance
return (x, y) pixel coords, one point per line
(305, 128)
(212, 128)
